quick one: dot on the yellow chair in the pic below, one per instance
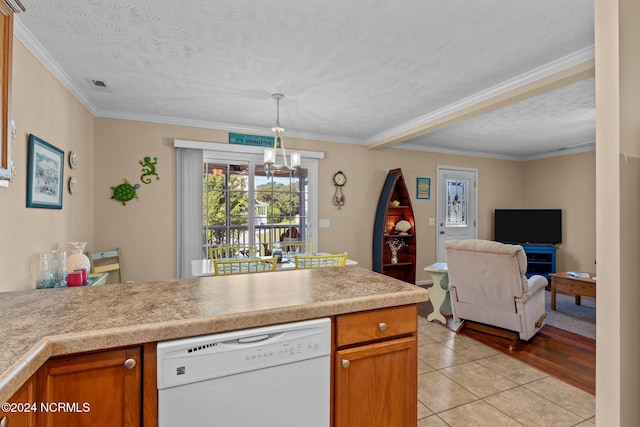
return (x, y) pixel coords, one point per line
(317, 261)
(231, 251)
(243, 266)
(299, 247)
(106, 262)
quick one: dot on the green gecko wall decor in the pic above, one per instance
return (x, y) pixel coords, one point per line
(148, 169)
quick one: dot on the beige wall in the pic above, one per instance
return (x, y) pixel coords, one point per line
(567, 182)
(43, 107)
(145, 229)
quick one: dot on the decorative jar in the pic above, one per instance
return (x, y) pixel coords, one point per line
(78, 260)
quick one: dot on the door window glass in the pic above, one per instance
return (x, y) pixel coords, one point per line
(457, 202)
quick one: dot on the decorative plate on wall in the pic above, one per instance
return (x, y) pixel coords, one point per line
(73, 185)
(73, 159)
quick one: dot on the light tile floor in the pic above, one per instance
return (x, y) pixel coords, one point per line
(462, 382)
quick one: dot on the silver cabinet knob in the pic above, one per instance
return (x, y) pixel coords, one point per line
(4, 422)
(382, 326)
(130, 363)
(345, 363)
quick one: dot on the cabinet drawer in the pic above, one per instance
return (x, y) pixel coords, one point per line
(375, 325)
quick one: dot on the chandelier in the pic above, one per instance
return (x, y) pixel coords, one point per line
(270, 166)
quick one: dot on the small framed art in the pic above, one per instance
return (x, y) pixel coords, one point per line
(423, 188)
(45, 174)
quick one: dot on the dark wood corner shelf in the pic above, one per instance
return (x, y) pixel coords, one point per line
(398, 265)
(387, 216)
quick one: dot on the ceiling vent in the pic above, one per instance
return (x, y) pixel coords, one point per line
(99, 85)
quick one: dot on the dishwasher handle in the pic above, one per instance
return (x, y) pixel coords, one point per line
(255, 338)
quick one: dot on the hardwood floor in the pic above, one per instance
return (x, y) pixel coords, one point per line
(564, 355)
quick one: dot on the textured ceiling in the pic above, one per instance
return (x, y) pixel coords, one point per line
(350, 70)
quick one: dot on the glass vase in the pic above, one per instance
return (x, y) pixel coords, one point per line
(45, 277)
(394, 256)
(59, 268)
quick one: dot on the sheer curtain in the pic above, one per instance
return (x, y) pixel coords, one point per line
(189, 186)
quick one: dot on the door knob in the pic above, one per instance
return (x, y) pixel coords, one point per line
(442, 232)
(130, 363)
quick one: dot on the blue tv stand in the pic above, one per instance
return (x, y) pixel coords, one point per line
(541, 260)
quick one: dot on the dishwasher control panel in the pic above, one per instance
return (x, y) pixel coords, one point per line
(212, 356)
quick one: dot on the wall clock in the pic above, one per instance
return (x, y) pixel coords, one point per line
(339, 180)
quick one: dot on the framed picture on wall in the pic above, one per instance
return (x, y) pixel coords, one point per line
(423, 188)
(45, 175)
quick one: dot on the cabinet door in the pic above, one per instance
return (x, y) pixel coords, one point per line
(92, 390)
(376, 385)
(24, 413)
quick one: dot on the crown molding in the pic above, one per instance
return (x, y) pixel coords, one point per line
(415, 147)
(33, 45)
(228, 127)
(547, 70)
(581, 148)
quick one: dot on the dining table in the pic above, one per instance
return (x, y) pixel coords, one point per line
(204, 267)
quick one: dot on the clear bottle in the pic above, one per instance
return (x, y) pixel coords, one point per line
(45, 276)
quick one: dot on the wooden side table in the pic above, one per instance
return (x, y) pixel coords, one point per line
(439, 291)
(564, 283)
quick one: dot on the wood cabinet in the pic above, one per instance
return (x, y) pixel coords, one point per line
(394, 206)
(105, 388)
(97, 389)
(6, 56)
(375, 378)
(21, 411)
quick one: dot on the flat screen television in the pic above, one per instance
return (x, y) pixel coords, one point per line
(528, 226)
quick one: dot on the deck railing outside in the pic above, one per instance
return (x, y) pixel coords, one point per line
(265, 236)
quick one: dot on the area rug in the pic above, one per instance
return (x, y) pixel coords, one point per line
(579, 319)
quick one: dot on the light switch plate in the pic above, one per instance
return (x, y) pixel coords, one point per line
(432, 221)
(325, 223)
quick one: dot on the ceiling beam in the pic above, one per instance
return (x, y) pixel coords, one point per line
(553, 81)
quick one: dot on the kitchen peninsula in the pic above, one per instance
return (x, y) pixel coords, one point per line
(45, 324)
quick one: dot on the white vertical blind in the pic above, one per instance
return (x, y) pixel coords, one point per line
(189, 186)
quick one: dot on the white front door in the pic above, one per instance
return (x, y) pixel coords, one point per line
(457, 205)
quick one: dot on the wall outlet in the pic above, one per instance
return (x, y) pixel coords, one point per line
(324, 223)
(432, 221)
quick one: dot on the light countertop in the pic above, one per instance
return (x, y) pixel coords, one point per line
(39, 324)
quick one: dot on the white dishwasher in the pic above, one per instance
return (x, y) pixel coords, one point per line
(274, 376)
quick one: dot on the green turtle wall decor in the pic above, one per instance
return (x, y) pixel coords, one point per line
(148, 169)
(125, 192)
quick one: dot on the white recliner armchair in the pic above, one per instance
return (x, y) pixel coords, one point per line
(487, 284)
